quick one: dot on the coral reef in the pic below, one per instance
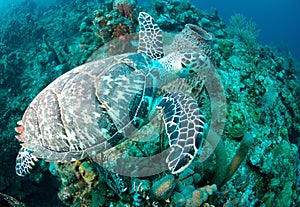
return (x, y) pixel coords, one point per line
(162, 189)
(114, 19)
(244, 30)
(200, 195)
(125, 7)
(78, 180)
(262, 109)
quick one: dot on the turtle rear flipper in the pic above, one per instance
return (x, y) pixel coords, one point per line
(24, 162)
(184, 124)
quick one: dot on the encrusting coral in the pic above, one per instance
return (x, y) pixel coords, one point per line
(125, 7)
(199, 196)
(162, 189)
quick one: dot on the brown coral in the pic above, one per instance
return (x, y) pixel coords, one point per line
(200, 195)
(125, 7)
(163, 188)
(88, 174)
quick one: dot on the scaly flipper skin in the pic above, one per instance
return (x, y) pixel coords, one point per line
(184, 124)
(24, 162)
(150, 37)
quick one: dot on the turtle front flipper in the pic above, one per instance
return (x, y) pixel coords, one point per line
(184, 124)
(24, 162)
(150, 37)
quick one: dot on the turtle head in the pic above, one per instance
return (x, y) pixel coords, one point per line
(185, 63)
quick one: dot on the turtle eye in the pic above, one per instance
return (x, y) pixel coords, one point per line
(183, 65)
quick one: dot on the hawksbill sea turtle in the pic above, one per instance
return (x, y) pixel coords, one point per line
(100, 104)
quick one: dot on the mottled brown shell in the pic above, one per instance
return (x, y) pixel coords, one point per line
(82, 112)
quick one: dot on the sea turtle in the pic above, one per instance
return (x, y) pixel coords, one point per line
(100, 104)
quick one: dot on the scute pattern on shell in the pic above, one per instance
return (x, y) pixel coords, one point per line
(67, 120)
(128, 94)
(98, 105)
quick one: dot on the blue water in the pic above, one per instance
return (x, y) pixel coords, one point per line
(10, 3)
(278, 21)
